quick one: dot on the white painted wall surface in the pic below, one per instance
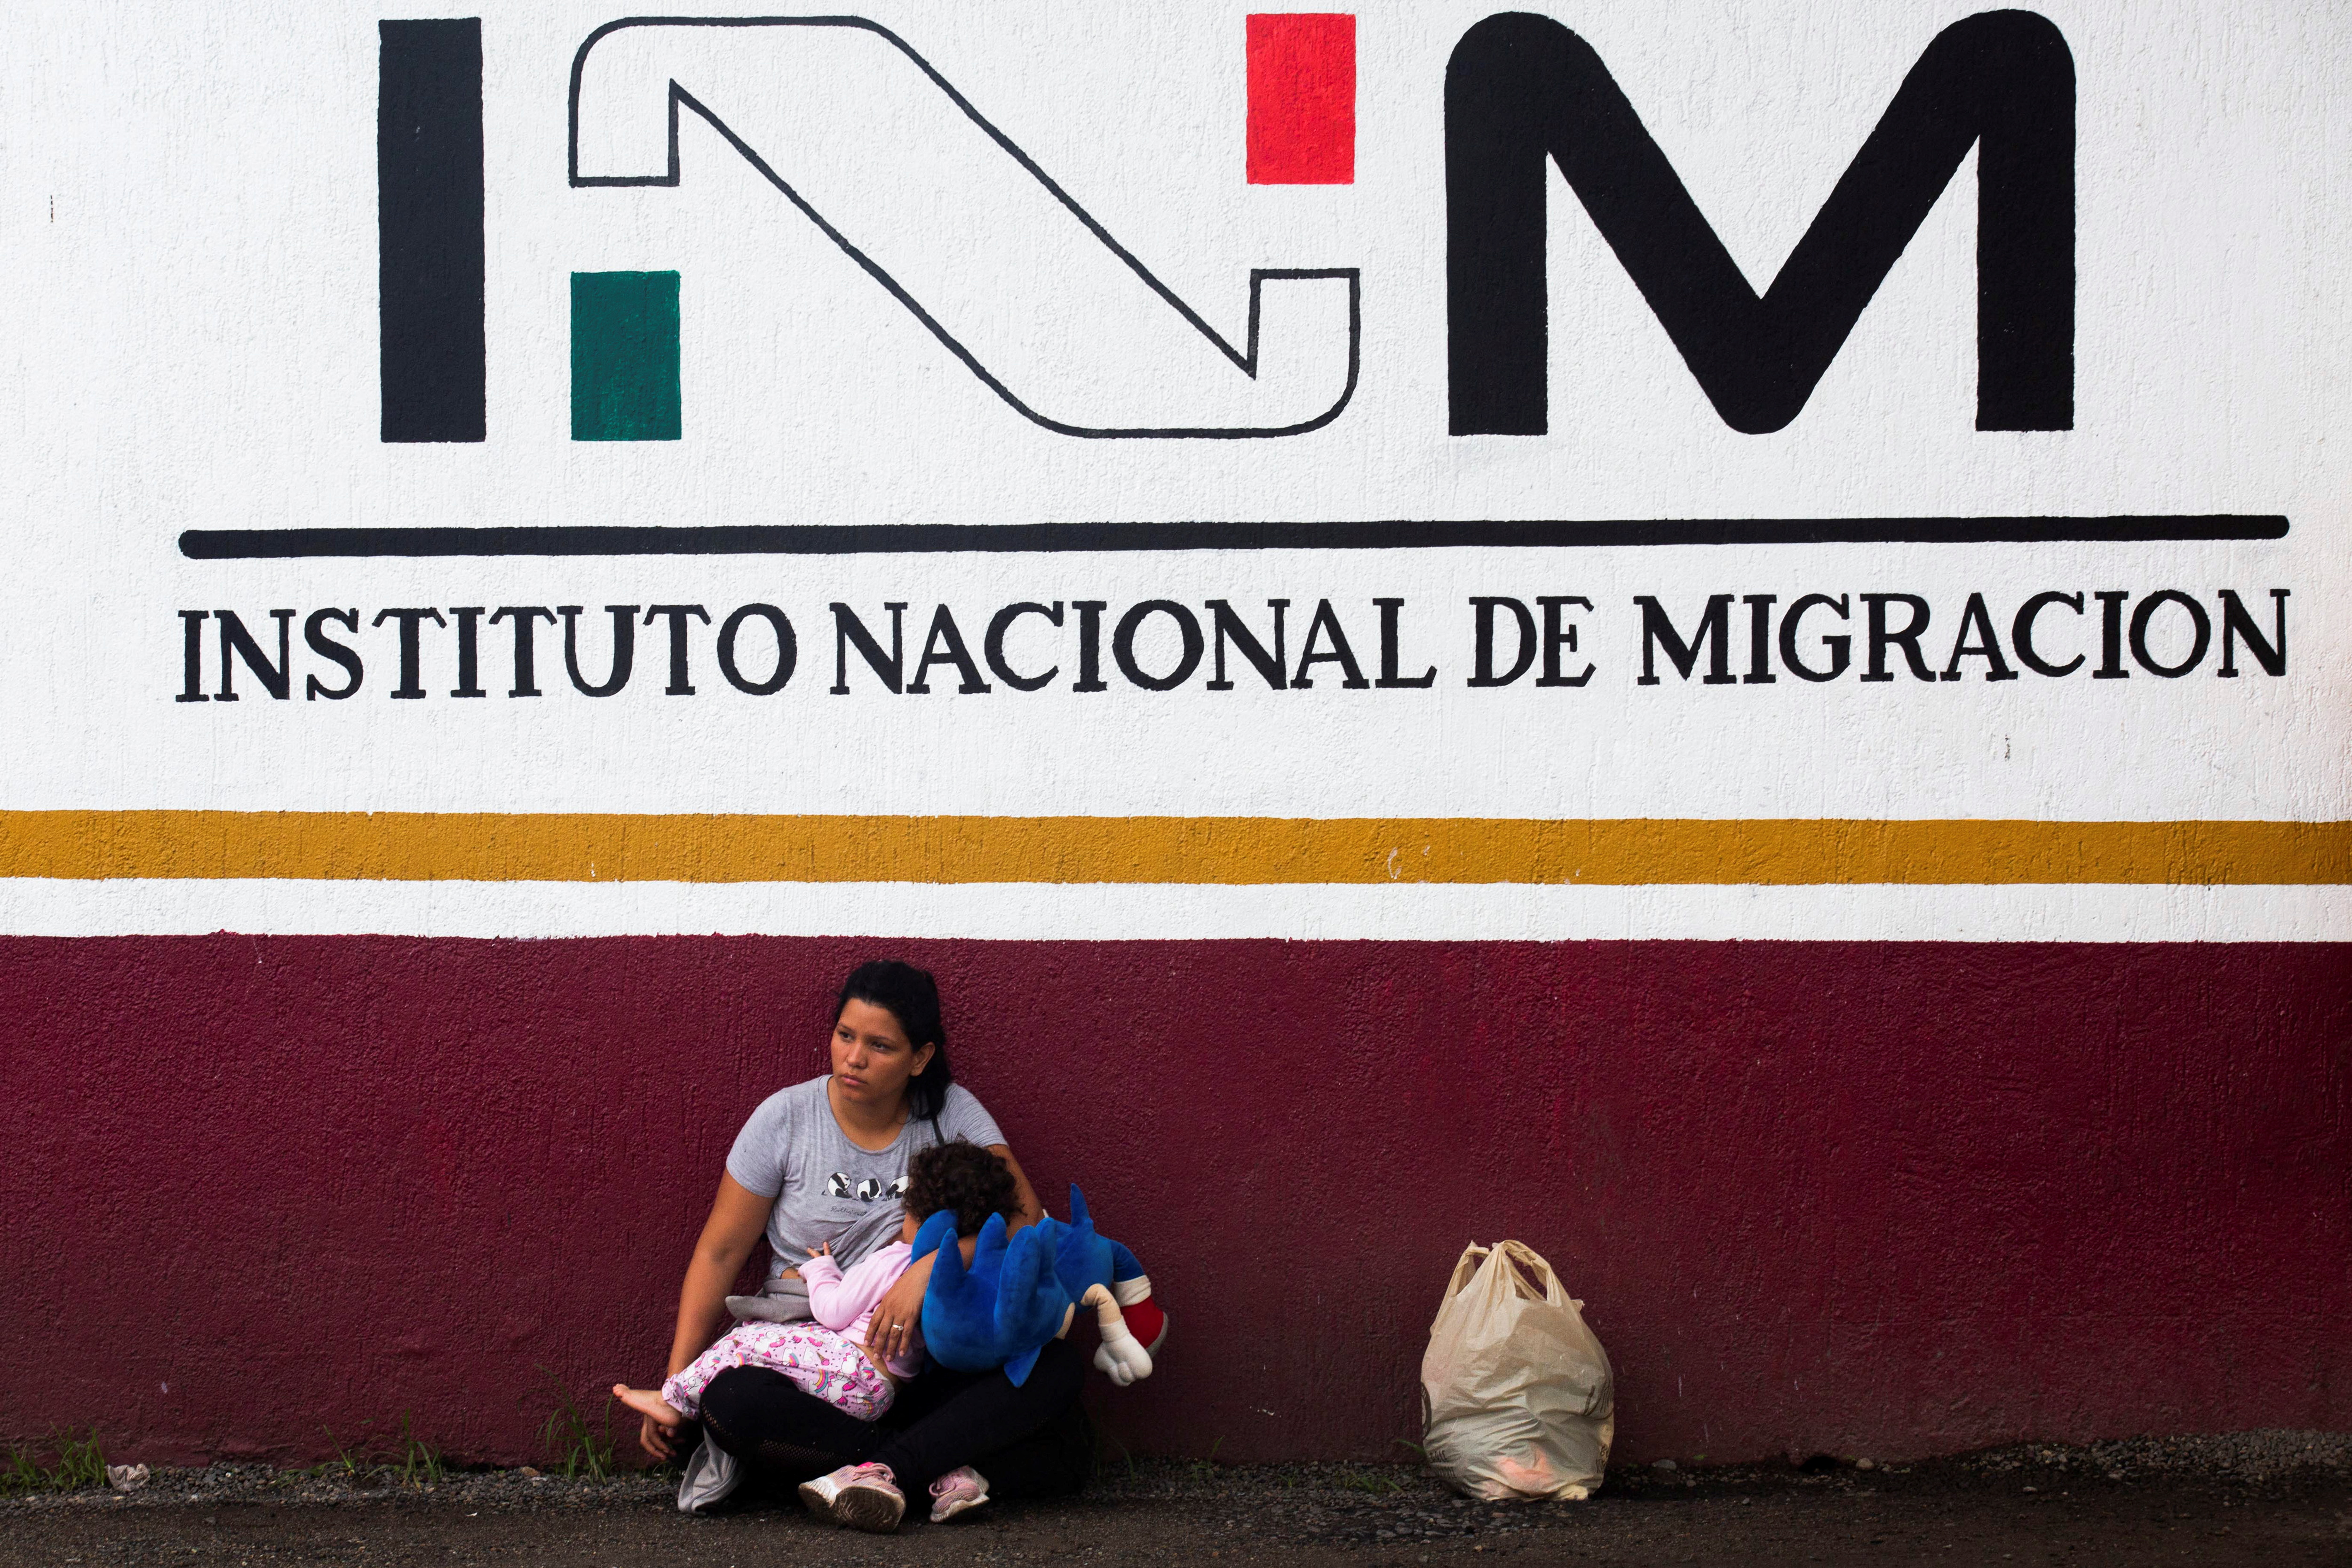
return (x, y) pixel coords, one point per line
(187, 204)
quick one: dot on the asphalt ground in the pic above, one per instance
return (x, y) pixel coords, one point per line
(2281, 1498)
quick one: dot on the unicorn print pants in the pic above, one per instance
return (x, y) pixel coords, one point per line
(818, 1360)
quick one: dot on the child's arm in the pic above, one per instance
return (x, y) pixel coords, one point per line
(838, 1299)
(823, 1278)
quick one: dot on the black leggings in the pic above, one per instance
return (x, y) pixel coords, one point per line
(1030, 1441)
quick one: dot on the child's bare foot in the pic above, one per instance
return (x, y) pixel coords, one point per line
(648, 1402)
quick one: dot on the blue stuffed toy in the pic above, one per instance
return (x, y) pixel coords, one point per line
(998, 1311)
(1021, 1292)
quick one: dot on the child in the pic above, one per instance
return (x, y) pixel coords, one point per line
(828, 1357)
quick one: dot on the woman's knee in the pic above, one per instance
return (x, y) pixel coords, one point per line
(732, 1404)
(759, 1416)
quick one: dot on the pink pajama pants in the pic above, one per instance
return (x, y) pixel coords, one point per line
(818, 1360)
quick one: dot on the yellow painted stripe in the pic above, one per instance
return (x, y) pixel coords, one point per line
(1231, 851)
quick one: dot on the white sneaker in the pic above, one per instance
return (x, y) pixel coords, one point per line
(960, 1490)
(863, 1497)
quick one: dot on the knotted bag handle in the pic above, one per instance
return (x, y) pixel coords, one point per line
(1464, 1269)
(1529, 1269)
(1531, 1277)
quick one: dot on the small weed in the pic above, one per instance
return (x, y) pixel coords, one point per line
(1206, 1468)
(578, 1449)
(420, 1461)
(1112, 1439)
(81, 1462)
(1371, 1481)
(22, 1475)
(353, 1464)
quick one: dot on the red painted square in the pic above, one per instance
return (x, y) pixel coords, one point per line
(1302, 99)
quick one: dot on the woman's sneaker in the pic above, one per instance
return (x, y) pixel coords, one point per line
(961, 1489)
(863, 1497)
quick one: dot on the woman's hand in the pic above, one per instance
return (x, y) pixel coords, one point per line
(658, 1438)
(898, 1312)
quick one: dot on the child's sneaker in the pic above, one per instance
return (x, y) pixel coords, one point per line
(961, 1489)
(863, 1497)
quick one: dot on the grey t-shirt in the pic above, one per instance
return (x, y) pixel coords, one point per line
(826, 1189)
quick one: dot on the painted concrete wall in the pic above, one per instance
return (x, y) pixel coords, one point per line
(1410, 689)
(1861, 1197)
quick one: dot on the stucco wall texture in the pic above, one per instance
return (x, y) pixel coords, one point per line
(268, 1195)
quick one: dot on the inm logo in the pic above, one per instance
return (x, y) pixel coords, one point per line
(944, 212)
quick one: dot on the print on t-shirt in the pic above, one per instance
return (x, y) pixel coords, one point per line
(840, 1184)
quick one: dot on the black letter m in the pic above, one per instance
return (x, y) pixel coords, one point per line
(1521, 88)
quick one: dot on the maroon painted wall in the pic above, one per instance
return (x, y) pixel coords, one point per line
(1854, 1198)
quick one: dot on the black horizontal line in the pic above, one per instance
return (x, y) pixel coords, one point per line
(940, 538)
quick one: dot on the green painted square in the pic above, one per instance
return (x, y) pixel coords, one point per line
(624, 356)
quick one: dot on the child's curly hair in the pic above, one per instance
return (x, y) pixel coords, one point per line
(965, 1178)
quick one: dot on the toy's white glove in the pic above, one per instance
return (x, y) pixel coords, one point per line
(1120, 1355)
(1123, 1357)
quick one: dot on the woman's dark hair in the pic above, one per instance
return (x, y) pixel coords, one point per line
(965, 1178)
(912, 996)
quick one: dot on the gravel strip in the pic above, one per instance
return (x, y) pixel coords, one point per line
(1320, 1504)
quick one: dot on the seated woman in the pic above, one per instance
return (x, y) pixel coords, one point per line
(808, 1169)
(826, 1353)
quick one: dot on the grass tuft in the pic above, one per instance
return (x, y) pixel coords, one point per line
(578, 1449)
(420, 1461)
(353, 1463)
(21, 1475)
(80, 1462)
(1206, 1468)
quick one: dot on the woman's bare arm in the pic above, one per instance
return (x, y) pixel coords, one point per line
(737, 1215)
(1032, 1211)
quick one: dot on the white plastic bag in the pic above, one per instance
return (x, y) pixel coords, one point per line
(1517, 1399)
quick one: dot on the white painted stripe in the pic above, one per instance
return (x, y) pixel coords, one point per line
(1045, 911)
